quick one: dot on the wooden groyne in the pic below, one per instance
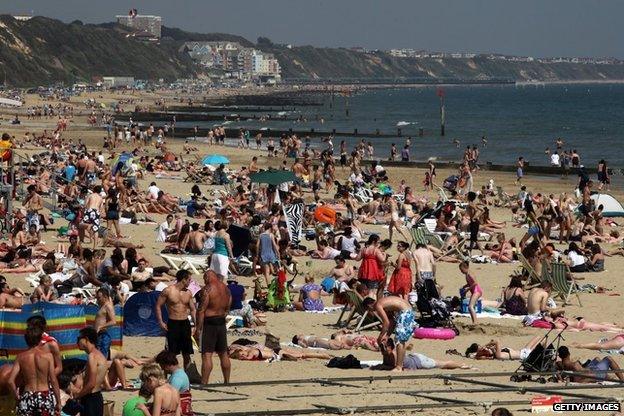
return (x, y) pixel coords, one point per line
(217, 108)
(270, 132)
(166, 116)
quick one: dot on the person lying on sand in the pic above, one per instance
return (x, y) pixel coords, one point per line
(412, 360)
(8, 300)
(596, 369)
(493, 350)
(259, 352)
(341, 340)
(615, 343)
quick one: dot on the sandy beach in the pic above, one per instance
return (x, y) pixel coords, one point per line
(290, 397)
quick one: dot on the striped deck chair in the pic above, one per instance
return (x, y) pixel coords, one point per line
(563, 286)
(365, 320)
(534, 278)
(419, 235)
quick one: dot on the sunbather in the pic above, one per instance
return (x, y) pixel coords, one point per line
(591, 371)
(412, 360)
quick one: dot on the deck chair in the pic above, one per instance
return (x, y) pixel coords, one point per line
(365, 320)
(419, 235)
(431, 224)
(191, 263)
(534, 278)
(230, 320)
(87, 291)
(561, 285)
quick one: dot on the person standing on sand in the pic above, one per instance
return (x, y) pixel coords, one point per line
(519, 170)
(104, 318)
(215, 305)
(396, 313)
(91, 217)
(90, 395)
(35, 367)
(180, 304)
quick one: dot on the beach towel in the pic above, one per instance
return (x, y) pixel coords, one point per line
(294, 221)
(494, 315)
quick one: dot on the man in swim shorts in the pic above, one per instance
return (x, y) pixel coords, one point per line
(215, 304)
(397, 313)
(596, 369)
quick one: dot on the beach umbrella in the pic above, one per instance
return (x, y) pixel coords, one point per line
(273, 177)
(215, 160)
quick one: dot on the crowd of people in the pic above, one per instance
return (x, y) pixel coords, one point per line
(242, 229)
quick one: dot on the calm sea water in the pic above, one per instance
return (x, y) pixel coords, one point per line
(517, 120)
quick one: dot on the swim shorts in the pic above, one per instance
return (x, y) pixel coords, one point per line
(92, 217)
(214, 336)
(104, 342)
(179, 336)
(41, 403)
(404, 326)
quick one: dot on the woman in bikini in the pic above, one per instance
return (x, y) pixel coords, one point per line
(504, 252)
(166, 397)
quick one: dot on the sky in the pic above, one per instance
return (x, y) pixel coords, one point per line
(538, 28)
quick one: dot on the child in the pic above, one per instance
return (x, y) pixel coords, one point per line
(402, 187)
(131, 407)
(401, 280)
(471, 286)
(427, 181)
(45, 292)
(166, 398)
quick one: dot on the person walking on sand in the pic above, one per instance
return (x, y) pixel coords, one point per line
(35, 369)
(471, 286)
(519, 170)
(396, 313)
(394, 217)
(215, 304)
(180, 304)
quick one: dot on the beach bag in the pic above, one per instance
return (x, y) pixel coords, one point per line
(193, 373)
(344, 362)
(515, 305)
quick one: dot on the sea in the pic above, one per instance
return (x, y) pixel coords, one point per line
(516, 120)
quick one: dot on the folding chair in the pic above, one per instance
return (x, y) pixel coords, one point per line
(185, 262)
(563, 286)
(365, 320)
(419, 235)
(534, 278)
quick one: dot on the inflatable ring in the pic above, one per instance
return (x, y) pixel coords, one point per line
(325, 214)
(434, 333)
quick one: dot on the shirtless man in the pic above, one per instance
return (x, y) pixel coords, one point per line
(210, 329)
(537, 301)
(474, 213)
(180, 304)
(90, 171)
(596, 369)
(8, 300)
(425, 268)
(35, 367)
(104, 318)
(396, 316)
(33, 204)
(196, 239)
(48, 343)
(90, 395)
(91, 217)
(307, 341)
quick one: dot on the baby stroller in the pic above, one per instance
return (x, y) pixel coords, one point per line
(434, 313)
(450, 183)
(542, 359)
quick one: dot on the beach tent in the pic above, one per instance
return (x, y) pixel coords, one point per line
(140, 318)
(612, 207)
(123, 161)
(64, 323)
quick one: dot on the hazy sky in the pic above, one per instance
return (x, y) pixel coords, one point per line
(522, 27)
